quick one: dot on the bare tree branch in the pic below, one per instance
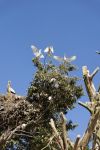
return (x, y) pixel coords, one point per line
(50, 141)
(7, 135)
(85, 106)
(88, 82)
(64, 130)
(89, 131)
(58, 137)
(95, 72)
(90, 106)
(76, 142)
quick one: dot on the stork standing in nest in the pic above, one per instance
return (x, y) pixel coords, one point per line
(10, 90)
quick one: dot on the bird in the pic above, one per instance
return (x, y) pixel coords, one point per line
(49, 50)
(72, 58)
(10, 90)
(98, 52)
(37, 52)
(64, 59)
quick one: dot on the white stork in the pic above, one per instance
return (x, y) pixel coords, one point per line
(64, 59)
(10, 89)
(37, 52)
(49, 50)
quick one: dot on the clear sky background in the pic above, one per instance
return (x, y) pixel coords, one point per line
(71, 26)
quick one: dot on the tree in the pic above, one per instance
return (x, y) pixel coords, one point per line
(53, 90)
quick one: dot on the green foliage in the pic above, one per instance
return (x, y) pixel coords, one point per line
(87, 148)
(52, 91)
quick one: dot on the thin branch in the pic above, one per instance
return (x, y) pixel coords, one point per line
(95, 72)
(22, 134)
(22, 126)
(50, 140)
(7, 135)
(3, 138)
(85, 106)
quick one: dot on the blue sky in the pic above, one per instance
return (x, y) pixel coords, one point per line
(71, 26)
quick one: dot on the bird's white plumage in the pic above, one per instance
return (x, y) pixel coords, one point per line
(10, 89)
(72, 58)
(34, 49)
(49, 50)
(52, 80)
(64, 59)
(50, 98)
(37, 52)
(58, 58)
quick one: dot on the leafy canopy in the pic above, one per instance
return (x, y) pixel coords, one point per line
(52, 90)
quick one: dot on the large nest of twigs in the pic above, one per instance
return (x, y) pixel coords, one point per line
(16, 113)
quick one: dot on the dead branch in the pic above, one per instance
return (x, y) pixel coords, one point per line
(64, 143)
(89, 131)
(91, 91)
(7, 135)
(85, 106)
(50, 141)
(76, 142)
(64, 131)
(58, 137)
(95, 72)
